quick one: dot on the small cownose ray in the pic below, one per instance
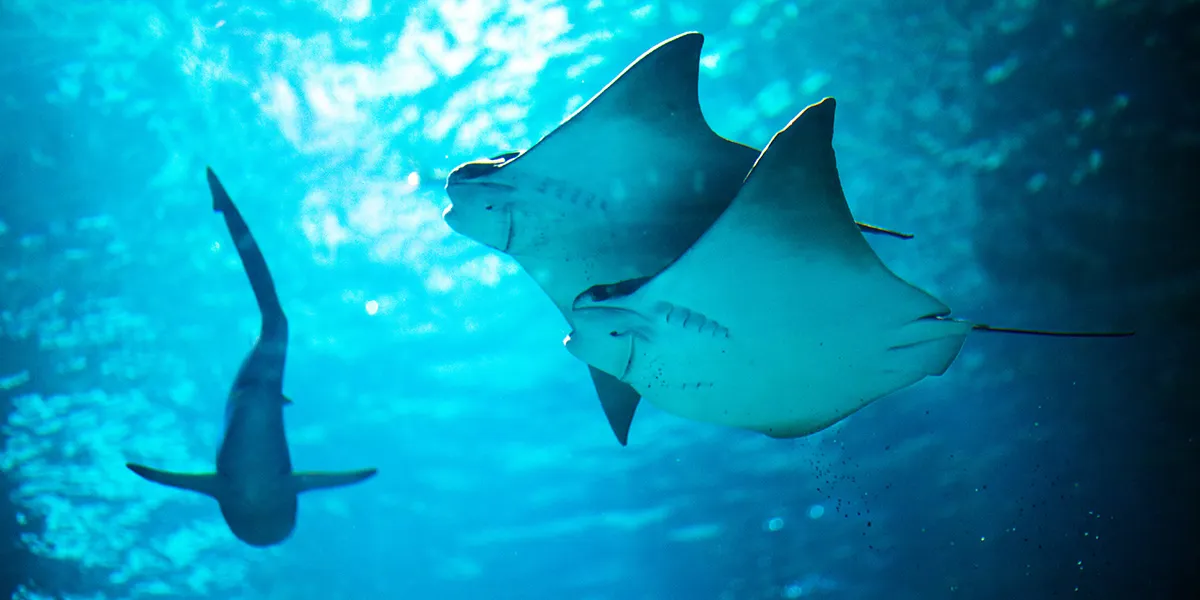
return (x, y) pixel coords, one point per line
(617, 191)
(780, 319)
(254, 484)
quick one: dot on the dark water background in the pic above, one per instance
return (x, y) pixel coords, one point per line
(1044, 152)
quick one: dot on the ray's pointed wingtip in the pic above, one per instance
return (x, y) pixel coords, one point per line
(686, 35)
(810, 128)
(825, 109)
(686, 42)
(814, 118)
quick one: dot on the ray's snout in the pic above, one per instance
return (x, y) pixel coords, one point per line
(452, 217)
(485, 223)
(481, 205)
(600, 345)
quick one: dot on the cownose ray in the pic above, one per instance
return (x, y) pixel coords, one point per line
(780, 319)
(617, 191)
(254, 484)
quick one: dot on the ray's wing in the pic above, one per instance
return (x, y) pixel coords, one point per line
(811, 313)
(789, 221)
(659, 92)
(644, 136)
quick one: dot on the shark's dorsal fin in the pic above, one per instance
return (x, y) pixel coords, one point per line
(306, 482)
(204, 483)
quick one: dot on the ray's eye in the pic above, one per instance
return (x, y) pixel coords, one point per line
(488, 207)
(614, 334)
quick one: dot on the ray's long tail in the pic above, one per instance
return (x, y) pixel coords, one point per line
(1043, 332)
(274, 322)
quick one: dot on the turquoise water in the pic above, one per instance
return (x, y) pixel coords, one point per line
(416, 350)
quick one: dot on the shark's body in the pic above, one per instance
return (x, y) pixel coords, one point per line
(254, 482)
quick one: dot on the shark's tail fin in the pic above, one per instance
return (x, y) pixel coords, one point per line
(306, 482)
(204, 483)
(274, 322)
(221, 201)
(1073, 334)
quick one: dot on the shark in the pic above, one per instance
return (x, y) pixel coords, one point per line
(781, 318)
(254, 483)
(617, 191)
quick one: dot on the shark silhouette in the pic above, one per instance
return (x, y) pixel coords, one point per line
(254, 483)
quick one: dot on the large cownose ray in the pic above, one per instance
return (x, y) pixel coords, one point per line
(781, 318)
(617, 191)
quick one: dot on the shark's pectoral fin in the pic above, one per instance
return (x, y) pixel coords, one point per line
(619, 401)
(204, 483)
(306, 482)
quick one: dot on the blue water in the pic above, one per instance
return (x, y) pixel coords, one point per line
(415, 350)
